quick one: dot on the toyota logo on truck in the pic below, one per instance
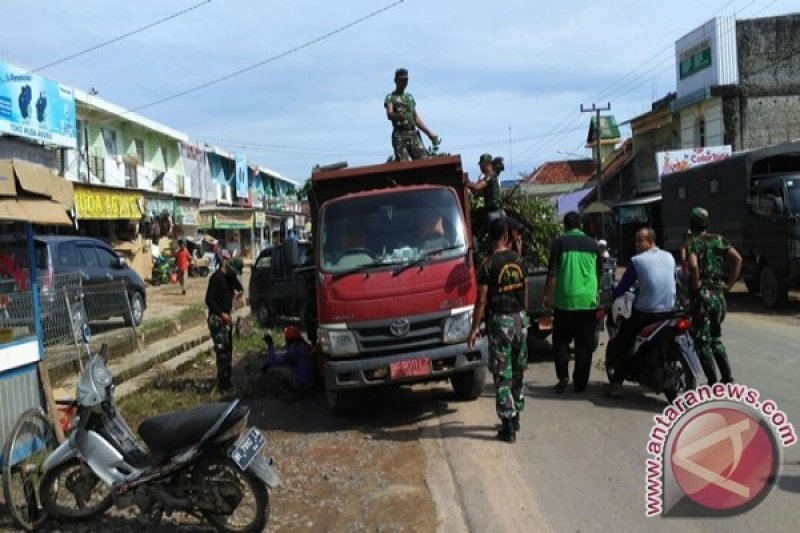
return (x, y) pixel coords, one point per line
(399, 328)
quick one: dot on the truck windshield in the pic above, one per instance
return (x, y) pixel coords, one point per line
(793, 188)
(391, 229)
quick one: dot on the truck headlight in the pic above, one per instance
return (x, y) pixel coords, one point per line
(338, 342)
(456, 328)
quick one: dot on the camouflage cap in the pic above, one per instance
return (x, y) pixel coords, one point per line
(401, 73)
(699, 217)
(236, 265)
(485, 158)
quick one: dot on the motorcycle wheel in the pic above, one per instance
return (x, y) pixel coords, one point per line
(244, 494)
(609, 359)
(686, 379)
(70, 493)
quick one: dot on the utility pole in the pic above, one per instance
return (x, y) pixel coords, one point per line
(510, 154)
(598, 163)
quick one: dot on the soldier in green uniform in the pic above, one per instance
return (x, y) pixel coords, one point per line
(708, 253)
(502, 294)
(401, 110)
(223, 287)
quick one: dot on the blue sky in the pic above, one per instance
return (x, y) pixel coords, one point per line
(505, 77)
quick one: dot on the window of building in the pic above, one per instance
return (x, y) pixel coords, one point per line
(110, 140)
(701, 132)
(181, 185)
(165, 155)
(139, 147)
(97, 167)
(158, 182)
(131, 178)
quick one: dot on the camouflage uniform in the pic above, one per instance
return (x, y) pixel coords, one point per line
(406, 141)
(708, 304)
(222, 337)
(508, 358)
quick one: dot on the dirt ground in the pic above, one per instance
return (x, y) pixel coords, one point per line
(365, 472)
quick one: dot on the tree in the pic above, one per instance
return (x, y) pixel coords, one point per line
(538, 216)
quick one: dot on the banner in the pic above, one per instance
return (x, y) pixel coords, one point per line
(36, 108)
(233, 220)
(103, 204)
(677, 160)
(241, 176)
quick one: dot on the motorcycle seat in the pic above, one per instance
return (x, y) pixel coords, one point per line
(176, 430)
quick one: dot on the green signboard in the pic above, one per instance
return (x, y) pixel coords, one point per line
(695, 62)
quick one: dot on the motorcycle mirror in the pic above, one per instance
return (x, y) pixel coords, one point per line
(86, 334)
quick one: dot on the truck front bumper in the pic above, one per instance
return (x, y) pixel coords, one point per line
(373, 371)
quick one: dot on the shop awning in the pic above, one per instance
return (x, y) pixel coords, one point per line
(644, 200)
(33, 193)
(45, 212)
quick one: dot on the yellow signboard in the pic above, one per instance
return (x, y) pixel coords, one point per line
(102, 204)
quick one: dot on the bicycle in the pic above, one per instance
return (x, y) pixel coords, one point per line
(30, 442)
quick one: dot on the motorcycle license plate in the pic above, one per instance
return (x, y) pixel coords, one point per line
(247, 448)
(420, 366)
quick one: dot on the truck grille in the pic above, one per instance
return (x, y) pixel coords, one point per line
(377, 338)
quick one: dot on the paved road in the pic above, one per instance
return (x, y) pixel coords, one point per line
(578, 464)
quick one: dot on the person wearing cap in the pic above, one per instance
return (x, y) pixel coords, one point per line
(290, 371)
(708, 253)
(487, 186)
(223, 287)
(515, 228)
(401, 110)
(502, 296)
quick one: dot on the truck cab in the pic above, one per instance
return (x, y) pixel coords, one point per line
(396, 282)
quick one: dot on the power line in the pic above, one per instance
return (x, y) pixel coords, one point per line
(610, 91)
(281, 55)
(121, 37)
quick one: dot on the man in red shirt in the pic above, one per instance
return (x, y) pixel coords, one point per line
(183, 258)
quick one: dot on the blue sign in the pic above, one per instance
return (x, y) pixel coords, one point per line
(241, 176)
(37, 108)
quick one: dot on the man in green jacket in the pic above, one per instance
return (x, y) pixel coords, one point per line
(573, 277)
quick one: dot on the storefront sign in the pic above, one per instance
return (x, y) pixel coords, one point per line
(159, 206)
(102, 204)
(696, 58)
(204, 220)
(677, 160)
(231, 220)
(37, 108)
(187, 215)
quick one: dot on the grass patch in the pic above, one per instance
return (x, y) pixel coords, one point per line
(190, 386)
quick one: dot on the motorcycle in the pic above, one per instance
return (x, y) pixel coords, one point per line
(204, 461)
(664, 358)
(163, 269)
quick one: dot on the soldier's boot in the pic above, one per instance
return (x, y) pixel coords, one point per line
(515, 422)
(726, 376)
(507, 432)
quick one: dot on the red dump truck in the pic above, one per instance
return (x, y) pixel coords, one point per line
(395, 277)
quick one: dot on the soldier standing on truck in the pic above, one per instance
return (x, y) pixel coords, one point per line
(707, 255)
(401, 109)
(502, 293)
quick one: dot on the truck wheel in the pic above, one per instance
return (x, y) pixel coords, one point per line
(753, 285)
(263, 316)
(469, 385)
(340, 402)
(774, 293)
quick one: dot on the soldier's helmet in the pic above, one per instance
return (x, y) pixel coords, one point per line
(485, 158)
(401, 73)
(699, 218)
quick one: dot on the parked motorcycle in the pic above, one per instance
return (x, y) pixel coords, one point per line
(204, 461)
(664, 358)
(163, 269)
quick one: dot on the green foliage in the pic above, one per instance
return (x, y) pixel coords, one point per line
(538, 217)
(302, 194)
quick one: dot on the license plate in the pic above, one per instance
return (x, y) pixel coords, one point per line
(421, 366)
(247, 448)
